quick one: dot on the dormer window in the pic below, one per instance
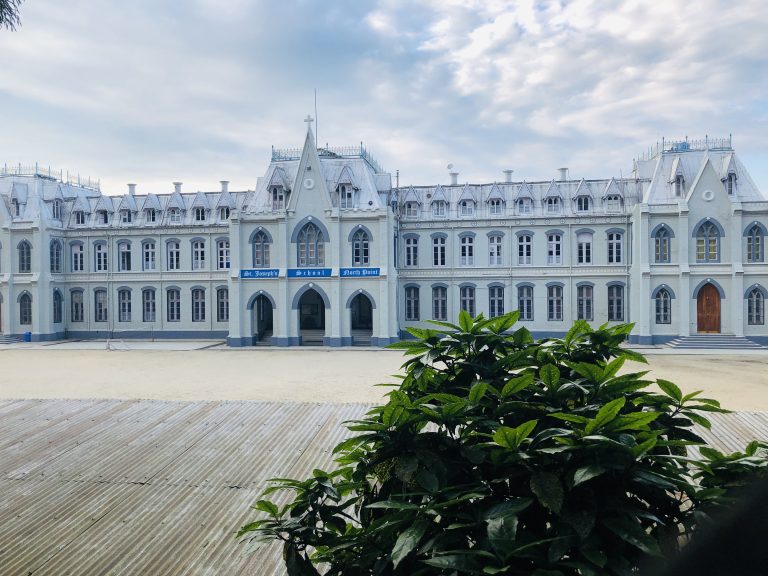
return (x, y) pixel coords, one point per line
(278, 198)
(150, 215)
(466, 208)
(199, 214)
(80, 218)
(438, 209)
(224, 213)
(126, 216)
(524, 206)
(495, 206)
(57, 209)
(679, 185)
(613, 203)
(15, 207)
(730, 183)
(411, 209)
(582, 203)
(346, 196)
(553, 205)
(175, 216)
(103, 217)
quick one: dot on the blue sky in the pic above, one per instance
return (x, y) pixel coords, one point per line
(153, 91)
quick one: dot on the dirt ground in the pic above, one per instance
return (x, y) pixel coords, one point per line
(740, 382)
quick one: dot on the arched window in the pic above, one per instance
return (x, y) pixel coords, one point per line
(525, 302)
(466, 208)
(198, 255)
(25, 257)
(222, 305)
(148, 305)
(198, 305)
(524, 206)
(755, 307)
(584, 302)
(56, 256)
(661, 242)
(467, 299)
(100, 305)
(77, 306)
(346, 197)
(360, 249)
(57, 209)
(124, 260)
(755, 244)
(173, 308)
(100, 256)
(708, 243)
(278, 198)
(222, 255)
(58, 305)
(679, 185)
(730, 183)
(553, 205)
(524, 249)
(260, 250)
(124, 305)
(615, 247)
(663, 307)
(25, 309)
(613, 203)
(584, 247)
(582, 203)
(494, 251)
(148, 254)
(311, 246)
(495, 301)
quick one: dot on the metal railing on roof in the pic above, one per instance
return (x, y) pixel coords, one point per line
(65, 177)
(284, 154)
(687, 145)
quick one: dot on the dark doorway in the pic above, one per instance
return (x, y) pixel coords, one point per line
(311, 319)
(361, 312)
(262, 321)
(708, 310)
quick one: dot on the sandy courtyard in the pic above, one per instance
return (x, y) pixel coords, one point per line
(740, 382)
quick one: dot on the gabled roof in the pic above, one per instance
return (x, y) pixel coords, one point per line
(279, 178)
(675, 170)
(524, 191)
(613, 189)
(128, 202)
(225, 199)
(496, 193)
(105, 203)
(729, 166)
(176, 201)
(201, 201)
(81, 205)
(439, 195)
(583, 189)
(346, 177)
(553, 190)
(467, 194)
(19, 192)
(151, 202)
(411, 195)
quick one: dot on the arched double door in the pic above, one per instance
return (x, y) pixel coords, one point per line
(262, 321)
(311, 318)
(708, 310)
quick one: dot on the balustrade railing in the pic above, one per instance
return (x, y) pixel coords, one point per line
(65, 177)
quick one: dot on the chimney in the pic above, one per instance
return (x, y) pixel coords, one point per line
(508, 176)
(454, 178)
(563, 174)
(132, 189)
(177, 187)
(224, 185)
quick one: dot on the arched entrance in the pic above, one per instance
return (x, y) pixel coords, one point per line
(311, 318)
(361, 314)
(262, 321)
(708, 309)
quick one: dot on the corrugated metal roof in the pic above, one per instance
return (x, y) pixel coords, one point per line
(152, 487)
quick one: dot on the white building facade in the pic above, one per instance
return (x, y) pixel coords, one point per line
(326, 251)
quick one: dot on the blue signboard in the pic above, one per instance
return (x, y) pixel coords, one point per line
(259, 274)
(359, 272)
(309, 272)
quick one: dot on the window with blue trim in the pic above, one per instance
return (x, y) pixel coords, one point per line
(661, 243)
(707, 243)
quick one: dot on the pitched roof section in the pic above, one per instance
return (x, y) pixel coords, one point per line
(225, 200)
(553, 190)
(151, 202)
(613, 189)
(279, 178)
(105, 203)
(128, 202)
(583, 189)
(176, 200)
(524, 191)
(81, 205)
(439, 195)
(729, 166)
(411, 195)
(496, 193)
(346, 177)
(201, 201)
(467, 194)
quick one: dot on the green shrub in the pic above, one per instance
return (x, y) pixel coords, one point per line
(498, 454)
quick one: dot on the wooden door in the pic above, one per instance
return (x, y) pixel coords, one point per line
(708, 309)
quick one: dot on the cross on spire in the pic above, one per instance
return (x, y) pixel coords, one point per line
(309, 121)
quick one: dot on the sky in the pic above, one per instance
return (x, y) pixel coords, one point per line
(157, 91)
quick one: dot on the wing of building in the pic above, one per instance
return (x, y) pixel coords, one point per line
(326, 251)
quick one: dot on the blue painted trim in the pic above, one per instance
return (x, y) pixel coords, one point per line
(467, 234)
(525, 284)
(585, 283)
(663, 226)
(762, 340)
(356, 229)
(661, 287)
(258, 229)
(652, 339)
(496, 285)
(621, 231)
(700, 223)
(439, 285)
(306, 288)
(616, 283)
(306, 220)
(467, 285)
(23, 293)
(751, 225)
(549, 284)
(554, 231)
(759, 287)
(525, 233)
(495, 233)
(148, 334)
(357, 293)
(438, 235)
(584, 231)
(708, 281)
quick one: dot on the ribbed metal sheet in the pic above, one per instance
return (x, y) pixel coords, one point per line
(159, 488)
